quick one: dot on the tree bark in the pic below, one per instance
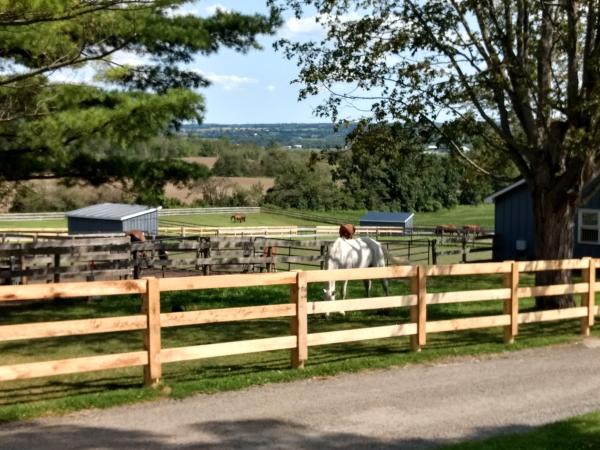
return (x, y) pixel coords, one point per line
(554, 231)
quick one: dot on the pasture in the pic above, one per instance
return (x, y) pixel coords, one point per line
(30, 398)
(461, 215)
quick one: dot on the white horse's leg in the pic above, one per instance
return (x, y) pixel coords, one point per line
(386, 286)
(344, 288)
(368, 286)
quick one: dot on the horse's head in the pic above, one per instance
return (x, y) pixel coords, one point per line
(329, 293)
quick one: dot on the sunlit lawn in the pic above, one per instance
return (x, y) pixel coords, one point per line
(30, 398)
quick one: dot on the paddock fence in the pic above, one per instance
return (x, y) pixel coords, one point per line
(297, 308)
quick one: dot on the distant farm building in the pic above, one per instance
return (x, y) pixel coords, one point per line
(514, 225)
(113, 218)
(387, 219)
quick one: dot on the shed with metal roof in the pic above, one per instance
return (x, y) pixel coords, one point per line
(514, 230)
(387, 219)
(113, 218)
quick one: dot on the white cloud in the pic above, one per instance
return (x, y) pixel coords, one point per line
(293, 27)
(129, 59)
(270, 88)
(312, 26)
(212, 9)
(228, 82)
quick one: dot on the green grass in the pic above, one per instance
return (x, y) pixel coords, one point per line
(53, 395)
(34, 224)
(224, 220)
(582, 432)
(461, 215)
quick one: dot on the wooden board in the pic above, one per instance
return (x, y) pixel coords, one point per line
(468, 296)
(176, 319)
(360, 304)
(468, 269)
(469, 323)
(361, 334)
(71, 327)
(169, 355)
(555, 289)
(226, 281)
(71, 290)
(552, 314)
(74, 365)
(315, 276)
(564, 264)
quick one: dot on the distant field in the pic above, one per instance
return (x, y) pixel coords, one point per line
(224, 220)
(34, 224)
(461, 215)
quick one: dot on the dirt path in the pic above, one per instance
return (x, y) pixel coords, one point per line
(418, 406)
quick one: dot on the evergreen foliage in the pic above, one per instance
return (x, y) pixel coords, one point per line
(48, 127)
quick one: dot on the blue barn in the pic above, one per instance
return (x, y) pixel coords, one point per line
(387, 219)
(514, 234)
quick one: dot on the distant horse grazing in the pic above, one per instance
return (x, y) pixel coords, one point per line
(473, 229)
(442, 230)
(354, 253)
(238, 218)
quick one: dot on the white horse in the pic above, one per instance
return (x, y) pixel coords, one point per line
(354, 253)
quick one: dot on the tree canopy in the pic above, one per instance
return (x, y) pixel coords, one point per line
(521, 75)
(48, 127)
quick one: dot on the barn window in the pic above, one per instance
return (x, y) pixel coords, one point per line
(589, 226)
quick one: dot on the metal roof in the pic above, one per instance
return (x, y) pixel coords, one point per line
(111, 211)
(385, 217)
(492, 198)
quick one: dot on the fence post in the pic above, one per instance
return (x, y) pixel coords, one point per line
(152, 338)
(418, 313)
(434, 251)
(299, 322)
(464, 248)
(511, 306)
(56, 277)
(589, 299)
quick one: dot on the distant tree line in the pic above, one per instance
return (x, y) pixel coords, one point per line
(381, 167)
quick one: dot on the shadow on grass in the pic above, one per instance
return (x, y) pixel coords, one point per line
(273, 433)
(215, 435)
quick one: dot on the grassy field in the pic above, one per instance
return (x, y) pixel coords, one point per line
(461, 215)
(32, 398)
(577, 433)
(224, 220)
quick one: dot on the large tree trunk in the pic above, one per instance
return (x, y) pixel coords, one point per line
(554, 230)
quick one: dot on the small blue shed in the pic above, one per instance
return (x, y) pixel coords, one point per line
(387, 219)
(113, 218)
(514, 228)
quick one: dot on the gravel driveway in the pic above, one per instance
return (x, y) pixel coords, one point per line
(417, 406)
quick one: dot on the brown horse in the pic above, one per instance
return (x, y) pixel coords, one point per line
(347, 230)
(449, 229)
(473, 229)
(238, 218)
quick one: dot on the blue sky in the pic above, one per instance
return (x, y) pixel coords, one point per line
(246, 88)
(255, 87)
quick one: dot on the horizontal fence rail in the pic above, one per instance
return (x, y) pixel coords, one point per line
(296, 309)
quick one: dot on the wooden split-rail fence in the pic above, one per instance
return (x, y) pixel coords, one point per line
(151, 320)
(114, 257)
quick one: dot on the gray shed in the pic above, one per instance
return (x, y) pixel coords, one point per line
(113, 218)
(387, 219)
